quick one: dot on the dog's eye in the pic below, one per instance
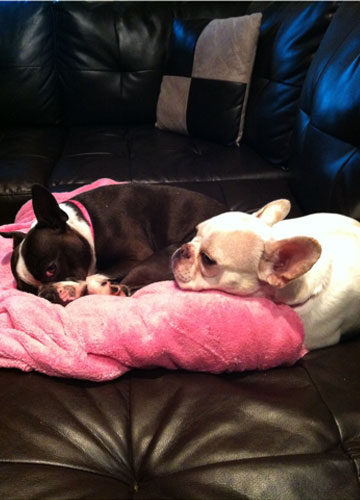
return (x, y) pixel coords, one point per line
(206, 260)
(50, 270)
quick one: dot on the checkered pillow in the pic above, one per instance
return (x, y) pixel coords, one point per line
(205, 86)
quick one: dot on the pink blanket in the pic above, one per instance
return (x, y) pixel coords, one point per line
(102, 337)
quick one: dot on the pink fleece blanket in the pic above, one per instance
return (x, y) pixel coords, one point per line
(101, 337)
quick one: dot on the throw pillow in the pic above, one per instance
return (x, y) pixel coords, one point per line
(206, 82)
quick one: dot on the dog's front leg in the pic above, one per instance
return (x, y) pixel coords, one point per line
(157, 267)
(63, 292)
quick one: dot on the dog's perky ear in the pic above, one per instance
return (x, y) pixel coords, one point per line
(285, 260)
(46, 208)
(17, 236)
(274, 211)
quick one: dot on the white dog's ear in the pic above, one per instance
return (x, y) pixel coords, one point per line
(274, 211)
(285, 260)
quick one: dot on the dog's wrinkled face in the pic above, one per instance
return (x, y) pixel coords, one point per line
(234, 252)
(212, 260)
(51, 251)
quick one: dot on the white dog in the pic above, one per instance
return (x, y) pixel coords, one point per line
(311, 263)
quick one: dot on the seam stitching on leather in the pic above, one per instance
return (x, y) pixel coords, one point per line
(117, 36)
(346, 452)
(338, 181)
(281, 82)
(43, 463)
(325, 132)
(131, 452)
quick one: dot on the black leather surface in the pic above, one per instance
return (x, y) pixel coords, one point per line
(92, 71)
(146, 153)
(210, 10)
(290, 35)
(115, 50)
(78, 82)
(326, 162)
(64, 159)
(68, 53)
(27, 156)
(289, 433)
(28, 83)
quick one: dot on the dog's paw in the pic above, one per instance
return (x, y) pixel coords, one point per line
(99, 284)
(68, 292)
(120, 290)
(62, 292)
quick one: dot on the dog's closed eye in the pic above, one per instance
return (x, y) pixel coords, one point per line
(206, 260)
(51, 270)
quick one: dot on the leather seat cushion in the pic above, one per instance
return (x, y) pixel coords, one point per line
(283, 433)
(63, 159)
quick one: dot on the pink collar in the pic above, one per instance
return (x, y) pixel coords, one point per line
(84, 213)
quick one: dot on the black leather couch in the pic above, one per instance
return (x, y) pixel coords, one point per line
(79, 84)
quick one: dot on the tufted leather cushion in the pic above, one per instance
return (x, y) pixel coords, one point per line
(290, 35)
(58, 58)
(290, 433)
(28, 86)
(27, 156)
(114, 50)
(326, 161)
(145, 153)
(65, 158)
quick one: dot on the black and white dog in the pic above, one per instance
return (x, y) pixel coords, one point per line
(126, 232)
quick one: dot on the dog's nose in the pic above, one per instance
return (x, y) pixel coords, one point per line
(185, 252)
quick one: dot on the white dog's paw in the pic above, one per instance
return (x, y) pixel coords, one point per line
(99, 284)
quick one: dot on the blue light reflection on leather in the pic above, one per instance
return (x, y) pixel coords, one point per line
(336, 98)
(183, 38)
(290, 37)
(340, 89)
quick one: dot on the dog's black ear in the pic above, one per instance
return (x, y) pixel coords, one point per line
(17, 236)
(46, 208)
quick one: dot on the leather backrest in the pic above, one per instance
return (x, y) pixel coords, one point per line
(28, 85)
(88, 62)
(85, 63)
(109, 59)
(290, 35)
(81, 62)
(326, 162)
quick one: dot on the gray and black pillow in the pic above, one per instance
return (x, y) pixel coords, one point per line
(206, 82)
